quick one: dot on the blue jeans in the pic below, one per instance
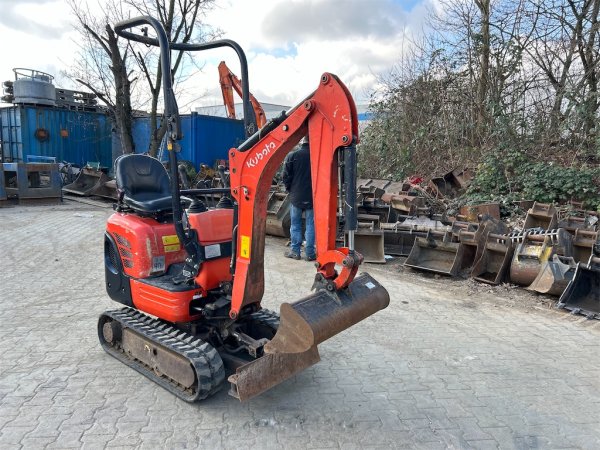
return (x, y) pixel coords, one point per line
(296, 230)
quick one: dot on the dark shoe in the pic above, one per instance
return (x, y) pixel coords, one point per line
(290, 254)
(310, 258)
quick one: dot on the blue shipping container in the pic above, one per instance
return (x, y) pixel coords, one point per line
(205, 138)
(67, 135)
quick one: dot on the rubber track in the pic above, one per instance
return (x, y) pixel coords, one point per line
(208, 365)
(266, 317)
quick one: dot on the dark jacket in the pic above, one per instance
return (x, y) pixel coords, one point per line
(296, 177)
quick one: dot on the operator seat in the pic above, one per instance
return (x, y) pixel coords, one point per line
(143, 183)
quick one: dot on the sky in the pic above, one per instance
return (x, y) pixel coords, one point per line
(288, 43)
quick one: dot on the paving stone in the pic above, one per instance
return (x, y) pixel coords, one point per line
(429, 374)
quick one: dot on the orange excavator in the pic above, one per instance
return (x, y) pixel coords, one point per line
(229, 81)
(191, 279)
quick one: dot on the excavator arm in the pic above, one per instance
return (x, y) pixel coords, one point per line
(229, 81)
(329, 118)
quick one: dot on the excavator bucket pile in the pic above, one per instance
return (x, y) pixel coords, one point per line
(541, 215)
(491, 267)
(582, 295)
(554, 276)
(89, 180)
(534, 250)
(278, 214)
(304, 325)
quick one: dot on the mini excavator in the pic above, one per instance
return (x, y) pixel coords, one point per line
(191, 279)
(230, 82)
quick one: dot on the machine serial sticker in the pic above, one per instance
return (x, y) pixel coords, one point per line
(172, 248)
(245, 247)
(170, 240)
(158, 264)
(212, 251)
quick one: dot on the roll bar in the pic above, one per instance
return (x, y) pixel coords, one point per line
(163, 43)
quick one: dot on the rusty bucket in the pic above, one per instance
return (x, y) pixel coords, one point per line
(491, 267)
(436, 253)
(88, 180)
(278, 214)
(370, 244)
(534, 250)
(541, 215)
(107, 190)
(304, 325)
(399, 240)
(554, 276)
(583, 244)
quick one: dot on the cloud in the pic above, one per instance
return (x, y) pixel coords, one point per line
(17, 16)
(313, 20)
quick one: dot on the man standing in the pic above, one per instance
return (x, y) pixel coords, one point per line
(297, 181)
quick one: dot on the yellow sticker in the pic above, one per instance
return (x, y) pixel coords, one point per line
(172, 248)
(245, 247)
(170, 240)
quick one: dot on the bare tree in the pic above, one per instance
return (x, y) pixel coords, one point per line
(103, 65)
(182, 22)
(111, 67)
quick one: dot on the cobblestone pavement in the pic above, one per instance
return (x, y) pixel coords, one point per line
(437, 369)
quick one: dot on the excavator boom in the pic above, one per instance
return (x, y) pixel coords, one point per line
(230, 82)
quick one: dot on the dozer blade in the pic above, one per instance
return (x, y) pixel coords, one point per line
(304, 325)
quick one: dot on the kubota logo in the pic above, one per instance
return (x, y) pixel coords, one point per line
(252, 162)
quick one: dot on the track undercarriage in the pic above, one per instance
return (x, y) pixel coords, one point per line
(188, 362)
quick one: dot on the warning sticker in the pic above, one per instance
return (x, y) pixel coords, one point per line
(245, 247)
(170, 240)
(172, 248)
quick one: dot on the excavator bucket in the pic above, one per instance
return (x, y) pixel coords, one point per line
(583, 244)
(536, 249)
(541, 215)
(582, 295)
(278, 214)
(447, 257)
(107, 190)
(492, 265)
(399, 241)
(436, 253)
(554, 276)
(89, 180)
(370, 244)
(305, 324)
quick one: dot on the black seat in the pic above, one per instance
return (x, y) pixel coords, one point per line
(145, 183)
